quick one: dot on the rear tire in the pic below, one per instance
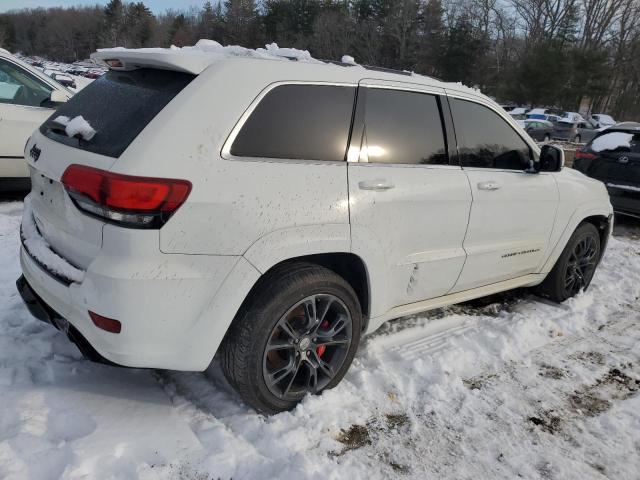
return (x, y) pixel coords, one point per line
(574, 269)
(296, 334)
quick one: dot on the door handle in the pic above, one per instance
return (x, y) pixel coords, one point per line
(490, 185)
(377, 185)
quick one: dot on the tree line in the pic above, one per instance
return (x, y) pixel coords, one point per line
(564, 53)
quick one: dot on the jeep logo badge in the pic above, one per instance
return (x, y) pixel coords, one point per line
(35, 152)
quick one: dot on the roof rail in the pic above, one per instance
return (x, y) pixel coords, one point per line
(339, 63)
(387, 70)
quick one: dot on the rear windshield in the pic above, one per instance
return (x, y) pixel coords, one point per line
(118, 106)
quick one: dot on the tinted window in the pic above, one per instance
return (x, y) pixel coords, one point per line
(118, 106)
(300, 122)
(19, 87)
(403, 127)
(485, 139)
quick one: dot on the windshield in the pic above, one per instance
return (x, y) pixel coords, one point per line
(19, 87)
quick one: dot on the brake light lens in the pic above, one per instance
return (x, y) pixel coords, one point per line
(584, 155)
(131, 201)
(104, 323)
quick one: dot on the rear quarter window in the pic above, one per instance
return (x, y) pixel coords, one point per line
(309, 122)
(119, 105)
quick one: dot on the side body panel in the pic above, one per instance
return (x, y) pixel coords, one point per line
(234, 202)
(513, 212)
(410, 235)
(17, 123)
(509, 227)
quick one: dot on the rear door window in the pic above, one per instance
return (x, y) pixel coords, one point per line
(485, 139)
(309, 122)
(404, 127)
(119, 105)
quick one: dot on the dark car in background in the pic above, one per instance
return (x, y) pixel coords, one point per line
(539, 130)
(577, 132)
(613, 157)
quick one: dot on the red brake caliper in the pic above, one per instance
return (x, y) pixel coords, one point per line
(320, 349)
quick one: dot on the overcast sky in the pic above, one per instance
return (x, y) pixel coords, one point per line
(155, 5)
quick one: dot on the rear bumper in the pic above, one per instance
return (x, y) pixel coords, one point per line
(165, 311)
(39, 309)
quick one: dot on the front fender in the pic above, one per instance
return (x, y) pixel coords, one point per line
(590, 209)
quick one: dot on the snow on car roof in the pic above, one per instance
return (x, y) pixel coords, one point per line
(195, 59)
(611, 141)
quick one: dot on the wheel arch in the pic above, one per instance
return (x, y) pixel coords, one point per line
(602, 220)
(603, 225)
(345, 264)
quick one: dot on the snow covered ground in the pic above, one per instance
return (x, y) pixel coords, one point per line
(514, 387)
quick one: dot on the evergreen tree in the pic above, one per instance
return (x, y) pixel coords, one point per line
(113, 22)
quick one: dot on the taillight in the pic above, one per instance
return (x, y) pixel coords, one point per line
(585, 155)
(138, 202)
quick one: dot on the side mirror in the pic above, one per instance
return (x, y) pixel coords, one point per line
(551, 158)
(58, 97)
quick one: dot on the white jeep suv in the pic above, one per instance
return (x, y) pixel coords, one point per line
(27, 98)
(273, 211)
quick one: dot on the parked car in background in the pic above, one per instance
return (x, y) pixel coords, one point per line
(573, 117)
(577, 132)
(61, 78)
(93, 74)
(65, 80)
(544, 116)
(313, 253)
(547, 111)
(27, 98)
(518, 113)
(539, 130)
(613, 157)
(602, 120)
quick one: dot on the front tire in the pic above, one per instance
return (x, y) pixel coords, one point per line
(574, 269)
(296, 334)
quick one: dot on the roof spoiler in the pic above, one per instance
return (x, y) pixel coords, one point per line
(161, 58)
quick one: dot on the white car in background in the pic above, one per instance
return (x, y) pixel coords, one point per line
(221, 204)
(603, 120)
(27, 98)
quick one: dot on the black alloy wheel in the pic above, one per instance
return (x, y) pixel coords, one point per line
(308, 345)
(581, 265)
(296, 334)
(576, 265)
